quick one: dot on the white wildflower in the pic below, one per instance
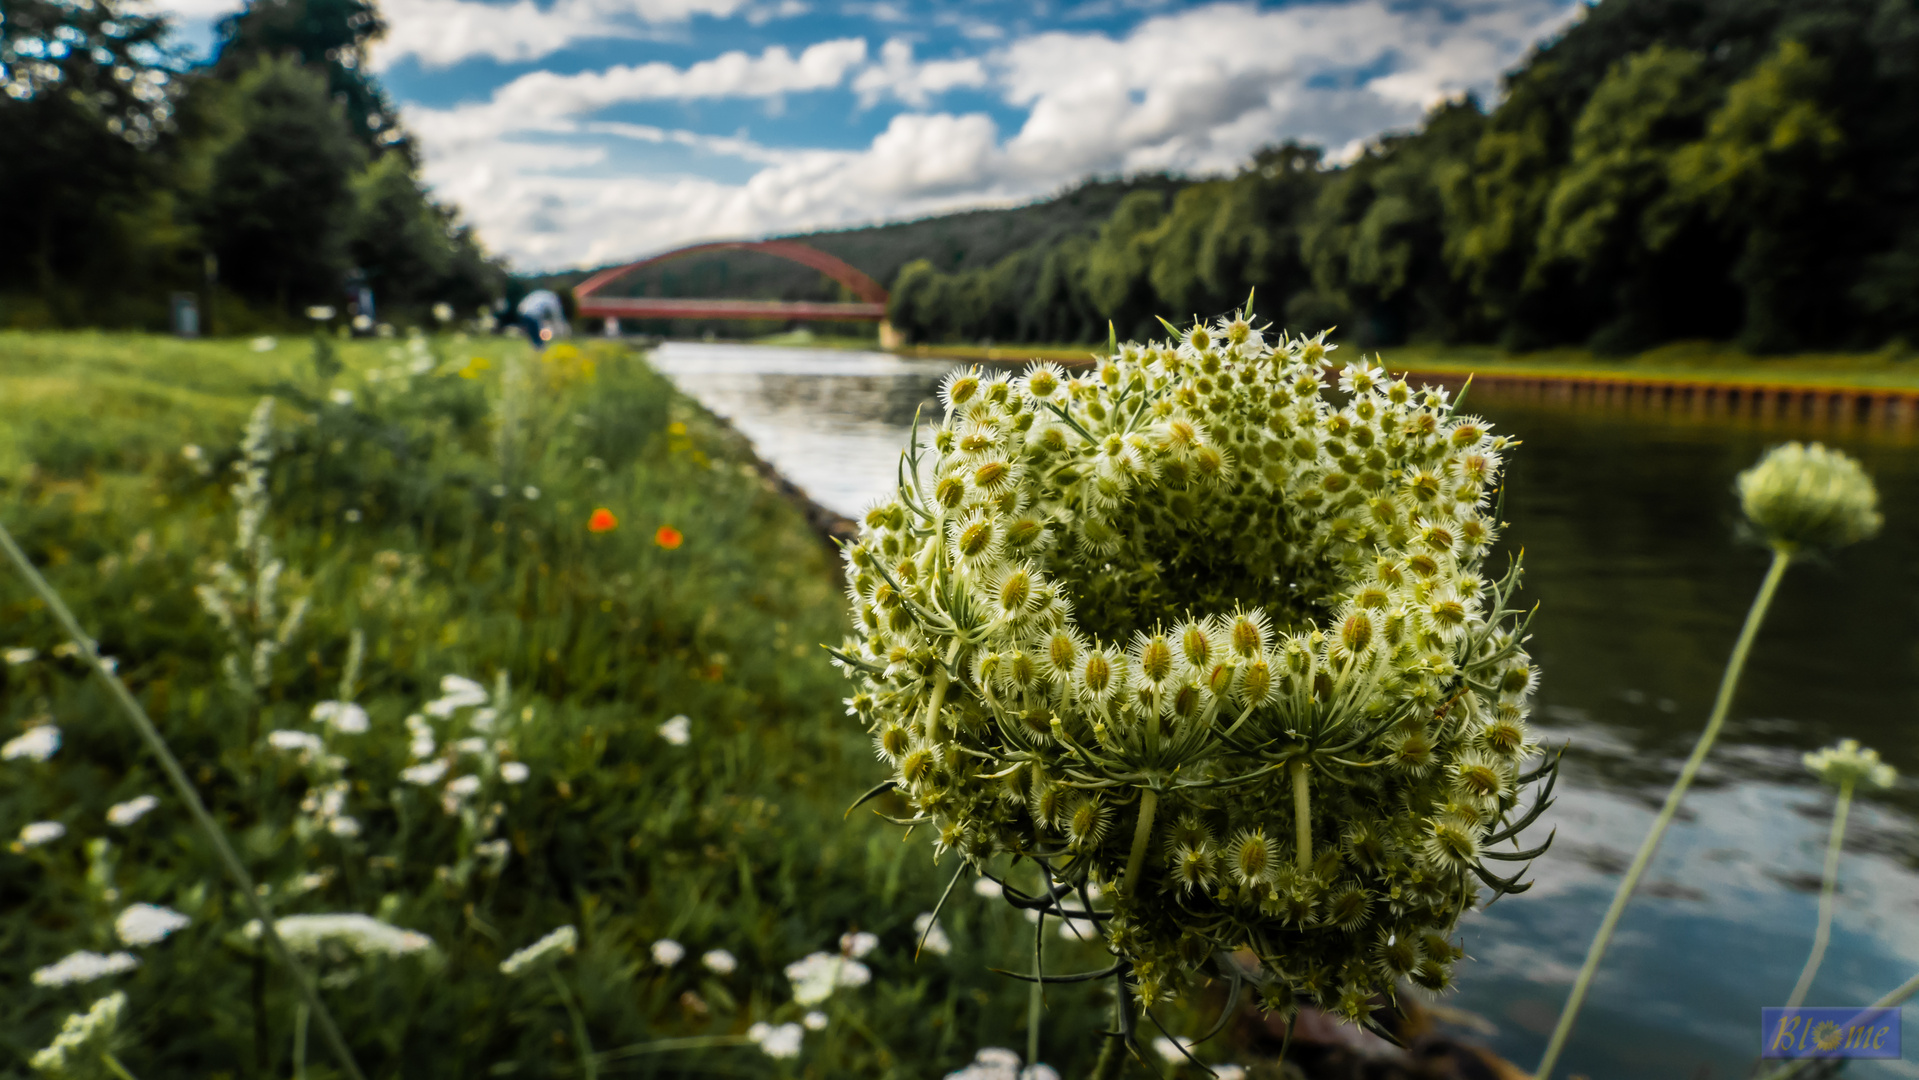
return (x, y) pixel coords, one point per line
(126, 813)
(340, 396)
(305, 742)
(456, 692)
(560, 942)
(987, 887)
(677, 731)
(341, 716)
(482, 719)
(1173, 1052)
(530, 492)
(344, 826)
(475, 746)
(362, 935)
(1230, 1072)
(443, 312)
(41, 832)
(815, 977)
(514, 772)
(83, 1039)
(320, 312)
(424, 775)
(38, 744)
(144, 924)
(667, 952)
(83, 967)
(814, 1021)
(263, 344)
(777, 1042)
(857, 945)
(999, 1063)
(720, 962)
(464, 786)
(17, 656)
(936, 941)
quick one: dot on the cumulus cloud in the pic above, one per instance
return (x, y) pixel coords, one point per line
(546, 100)
(444, 32)
(1195, 91)
(899, 76)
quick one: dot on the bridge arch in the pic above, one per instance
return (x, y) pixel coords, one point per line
(870, 307)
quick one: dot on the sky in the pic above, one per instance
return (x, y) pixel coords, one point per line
(584, 132)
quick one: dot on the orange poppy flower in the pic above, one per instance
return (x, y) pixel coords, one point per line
(601, 521)
(668, 537)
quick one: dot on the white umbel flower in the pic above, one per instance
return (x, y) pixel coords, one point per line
(456, 692)
(720, 962)
(362, 935)
(83, 1038)
(560, 942)
(342, 716)
(782, 1041)
(17, 656)
(933, 936)
(816, 976)
(145, 924)
(678, 730)
(126, 813)
(667, 952)
(38, 744)
(41, 832)
(514, 772)
(83, 966)
(424, 775)
(304, 743)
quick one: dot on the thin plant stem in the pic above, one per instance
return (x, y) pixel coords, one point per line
(1897, 997)
(1728, 683)
(589, 1063)
(1828, 888)
(177, 776)
(1142, 833)
(1036, 994)
(300, 1042)
(113, 1065)
(1302, 815)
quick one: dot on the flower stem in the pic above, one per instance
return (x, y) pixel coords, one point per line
(113, 1065)
(1302, 815)
(589, 1063)
(1136, 861)
(1828, 886)
(300, 1042)
(1728, 683)
(177, 776)
(941, 679)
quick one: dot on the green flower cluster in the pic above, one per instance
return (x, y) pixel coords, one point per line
(1192, 629)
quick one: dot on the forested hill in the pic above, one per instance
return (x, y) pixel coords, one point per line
(1742, 170)
(954, 243)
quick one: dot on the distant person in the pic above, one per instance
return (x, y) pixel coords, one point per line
(543, 318)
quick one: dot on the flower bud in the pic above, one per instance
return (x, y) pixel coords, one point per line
(1802, 497)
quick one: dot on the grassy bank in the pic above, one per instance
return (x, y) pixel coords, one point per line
(440, 502)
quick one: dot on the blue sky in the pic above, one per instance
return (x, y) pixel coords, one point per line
(579, 132)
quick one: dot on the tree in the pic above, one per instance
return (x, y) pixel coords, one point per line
(87, 95)
(330, 36)
(279, 200)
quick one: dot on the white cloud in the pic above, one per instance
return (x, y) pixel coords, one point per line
(1195, 91)
(899, 76)
(544, 100)
(445, 32)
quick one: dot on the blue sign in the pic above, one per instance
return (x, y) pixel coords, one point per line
(1848, 1032)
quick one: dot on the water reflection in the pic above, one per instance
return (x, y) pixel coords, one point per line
(1628, 526)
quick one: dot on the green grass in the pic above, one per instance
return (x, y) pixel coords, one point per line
(1684, 361)
(441, 514)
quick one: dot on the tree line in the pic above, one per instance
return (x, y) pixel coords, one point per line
(271, 177)
(1739, 170)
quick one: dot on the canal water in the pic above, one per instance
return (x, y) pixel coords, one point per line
(1630, 534)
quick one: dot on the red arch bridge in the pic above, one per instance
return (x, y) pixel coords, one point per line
(870, 307)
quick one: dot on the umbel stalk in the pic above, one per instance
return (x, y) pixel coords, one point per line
(1728, 684)
(1828, 889)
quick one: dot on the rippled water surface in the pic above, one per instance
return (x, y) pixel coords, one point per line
(1628, 527)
